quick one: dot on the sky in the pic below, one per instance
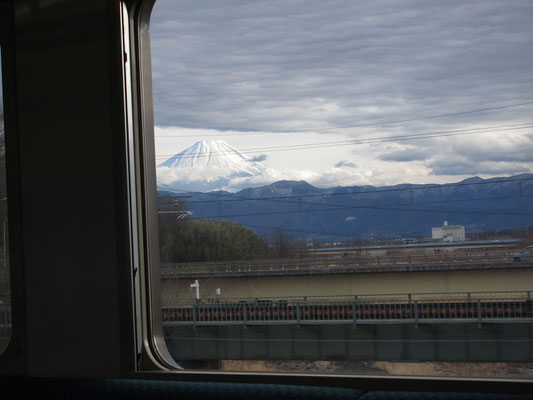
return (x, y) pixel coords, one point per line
(349, 83)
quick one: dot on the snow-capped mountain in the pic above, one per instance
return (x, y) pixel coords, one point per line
(207, 165)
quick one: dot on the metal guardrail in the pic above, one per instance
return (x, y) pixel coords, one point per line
(502, 306)
(458, 307)
(325, 262)
(422, 296)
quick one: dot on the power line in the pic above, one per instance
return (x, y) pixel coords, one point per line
(236, 198)
(383, 207)
(321, 233)
(376, 123)
(306, 231)
(369, 208)
(342, 206)
(347, 207)
(337, 206)
(416, 136)
(298, 230)
(376, 237)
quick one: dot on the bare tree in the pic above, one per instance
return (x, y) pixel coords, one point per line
(283, 244)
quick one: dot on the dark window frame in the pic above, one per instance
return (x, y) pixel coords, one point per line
(155, 361)
(13, 360)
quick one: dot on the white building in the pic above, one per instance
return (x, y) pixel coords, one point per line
(449, 233)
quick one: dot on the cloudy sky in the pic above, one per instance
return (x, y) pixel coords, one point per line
(334, 91)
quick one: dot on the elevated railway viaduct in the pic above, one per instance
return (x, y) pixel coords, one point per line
(256, 315)
(331, 275)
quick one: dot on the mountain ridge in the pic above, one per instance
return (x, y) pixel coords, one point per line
(346, 212)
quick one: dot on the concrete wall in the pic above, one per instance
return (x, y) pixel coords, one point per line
(341, 284)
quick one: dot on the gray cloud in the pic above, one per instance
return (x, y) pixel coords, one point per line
(407, 155)
(510, 149)
(259, 158)
(289, 65)
(457, 166)
(274, 65)
(345, 164)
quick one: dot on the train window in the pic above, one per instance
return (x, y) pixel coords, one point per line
(5, 297)
(345, 186)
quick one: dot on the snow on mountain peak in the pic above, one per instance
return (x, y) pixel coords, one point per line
(207, 163)
(213, 154)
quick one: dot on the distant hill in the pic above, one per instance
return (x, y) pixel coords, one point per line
(353, 212)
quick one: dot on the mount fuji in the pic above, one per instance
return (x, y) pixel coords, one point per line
(208, 165)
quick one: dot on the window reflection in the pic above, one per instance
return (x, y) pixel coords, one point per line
(331, 176)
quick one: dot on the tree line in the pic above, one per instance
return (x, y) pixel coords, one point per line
(182, 239)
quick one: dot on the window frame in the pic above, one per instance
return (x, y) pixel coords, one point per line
(13, 359)
(155, 362)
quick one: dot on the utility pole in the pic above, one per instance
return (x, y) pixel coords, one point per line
(196, 285)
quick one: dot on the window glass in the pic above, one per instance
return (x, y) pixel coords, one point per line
(5, 296)
(345, 186)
